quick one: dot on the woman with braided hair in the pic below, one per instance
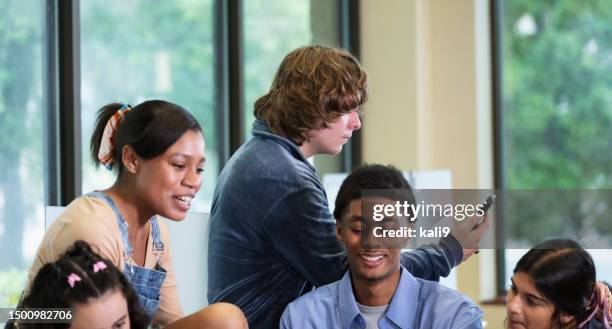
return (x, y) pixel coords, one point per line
(554, 286)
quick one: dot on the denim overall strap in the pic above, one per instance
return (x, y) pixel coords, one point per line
(158, 245)
(146, 282)
(123, 225)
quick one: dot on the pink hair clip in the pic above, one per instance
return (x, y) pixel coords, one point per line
(72, 279)
(99, 266)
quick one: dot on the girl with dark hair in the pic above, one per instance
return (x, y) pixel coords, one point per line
(554, 286)
(157, 151)
(96, 291)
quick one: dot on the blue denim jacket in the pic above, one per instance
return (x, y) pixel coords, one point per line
(272, 236)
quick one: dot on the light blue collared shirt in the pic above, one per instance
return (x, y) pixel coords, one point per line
(416, 304)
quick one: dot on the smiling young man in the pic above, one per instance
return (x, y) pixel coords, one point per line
(376, 291)
(272, 235)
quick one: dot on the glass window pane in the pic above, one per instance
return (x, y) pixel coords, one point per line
(273, 28)
(22, 183)
(557, 120)
(132, 51)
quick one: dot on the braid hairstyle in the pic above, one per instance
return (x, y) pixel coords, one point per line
(50, 287)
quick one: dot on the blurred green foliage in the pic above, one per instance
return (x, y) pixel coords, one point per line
(557, 111)
(131, 51)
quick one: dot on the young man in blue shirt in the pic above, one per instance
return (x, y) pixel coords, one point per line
(376, 291)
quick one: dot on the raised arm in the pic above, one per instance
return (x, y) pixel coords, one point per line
(302, 231)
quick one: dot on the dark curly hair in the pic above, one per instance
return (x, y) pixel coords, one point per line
(313, 86)
(50, 287)
(386, 179)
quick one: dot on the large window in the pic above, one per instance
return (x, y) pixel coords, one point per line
(22, 148)
(60, 61)
(289, 22)
(554, 77)
(131, 52)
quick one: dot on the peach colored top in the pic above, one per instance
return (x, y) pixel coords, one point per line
(91, 219)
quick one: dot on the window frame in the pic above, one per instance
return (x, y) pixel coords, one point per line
(499, 180)
(63, 90)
